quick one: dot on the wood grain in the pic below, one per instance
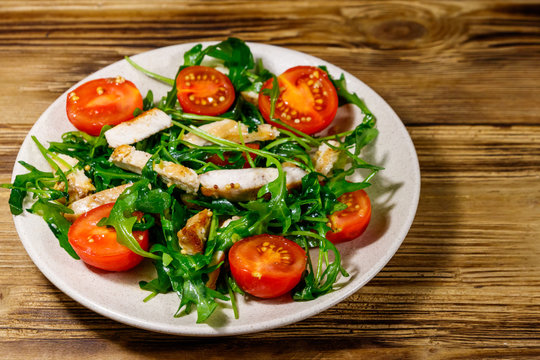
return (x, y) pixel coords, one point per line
(464, 78)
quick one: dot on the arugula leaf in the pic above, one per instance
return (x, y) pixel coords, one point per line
(194, 56)
(27, 182)
(121, 217)
(149, 73)
(52, 213)
(274, 209)
(237, 57)
(346, 97)
(319, 281)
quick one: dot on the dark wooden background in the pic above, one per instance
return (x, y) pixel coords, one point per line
(464, 76)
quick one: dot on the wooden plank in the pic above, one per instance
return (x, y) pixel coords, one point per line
(483, 48)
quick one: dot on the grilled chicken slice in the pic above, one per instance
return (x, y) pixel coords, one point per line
(192, 237)
(228, 129)
(79, 185)
(243, 184)
(218, 257)
(90, 202)
(325, 158)
(128, 158)
(183, 177)
(139, 128)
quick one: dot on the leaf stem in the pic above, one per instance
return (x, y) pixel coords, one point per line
(149, 73)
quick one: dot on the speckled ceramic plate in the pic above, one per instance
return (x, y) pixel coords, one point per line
(394, 195)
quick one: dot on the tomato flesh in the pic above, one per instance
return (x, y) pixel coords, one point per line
(102, 102)
(215, 159)
(267, 266)
(307, 101)
(97, 245)
(204, 90)
(350, 223)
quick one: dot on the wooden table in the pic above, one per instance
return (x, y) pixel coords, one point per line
(465, 79)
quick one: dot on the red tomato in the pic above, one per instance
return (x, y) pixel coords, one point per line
(267, 266)
(204, 90)
(215, 159)
(97, 245)
(350, 223)
(102, 102)
(307, 101)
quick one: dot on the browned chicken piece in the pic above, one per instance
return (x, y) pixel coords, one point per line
(90, 202)
(228, 129)
(143, 126)
(244, 184)
(79, 185)
(128, 158)
(218, 257)
(325, 157)
(192, 237)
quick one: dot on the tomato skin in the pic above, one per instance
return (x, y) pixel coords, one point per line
(307, 101)
(215, 159)
(204, 90)
(97, 245)
(101, 102)
(350, 223)
(262, 271)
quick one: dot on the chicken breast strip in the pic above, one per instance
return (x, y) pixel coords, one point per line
(192, 237)
(243, 184)
(143, 126)
(128, 158)
(325, 157)
(90, 202)
(228, 129)
(218, 257)
(79, 185)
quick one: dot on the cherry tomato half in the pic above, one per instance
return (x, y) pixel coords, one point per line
(267, 266)
(350, 223)
(204, 90)
(215, 159)
(97, 245)
(307, 101)
(102, 102)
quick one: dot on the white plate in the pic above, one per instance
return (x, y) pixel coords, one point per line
(394, 195)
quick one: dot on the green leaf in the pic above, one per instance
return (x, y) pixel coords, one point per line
(24, 183)
(149, 73)
(346, 97)
(122, 220)
(194, 56)
(237, 57)
(52, 213)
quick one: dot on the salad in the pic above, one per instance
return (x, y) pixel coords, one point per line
(225, 183)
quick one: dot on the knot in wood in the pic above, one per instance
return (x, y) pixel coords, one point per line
(398, 31)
